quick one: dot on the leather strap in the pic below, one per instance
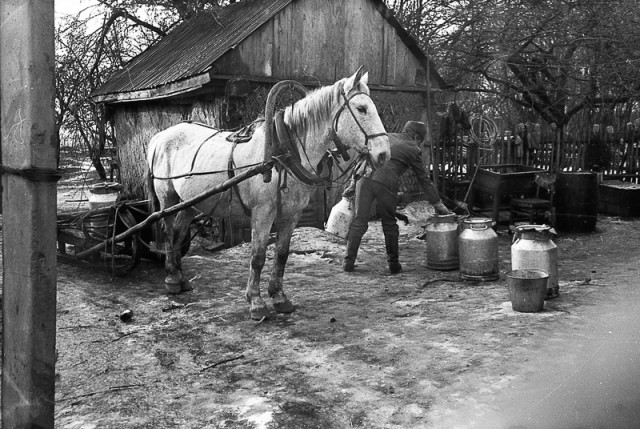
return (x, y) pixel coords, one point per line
(231, 172)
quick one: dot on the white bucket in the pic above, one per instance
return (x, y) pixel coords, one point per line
(340, 218)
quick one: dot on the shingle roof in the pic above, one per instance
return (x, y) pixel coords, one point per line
(192, 47)
(195, 45)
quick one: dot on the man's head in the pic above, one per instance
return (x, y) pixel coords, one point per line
(417, 130)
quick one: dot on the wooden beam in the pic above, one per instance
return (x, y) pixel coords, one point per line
(189, 86)
(29, 214)
(169, 90)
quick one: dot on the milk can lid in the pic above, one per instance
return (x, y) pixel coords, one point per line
(477, 220)
(535, 228)
(535, 232)
(105, 188)
(477, 223)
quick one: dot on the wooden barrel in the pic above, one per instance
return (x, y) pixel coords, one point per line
(576, 201)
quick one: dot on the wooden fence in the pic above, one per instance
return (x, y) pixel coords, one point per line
(616, 154)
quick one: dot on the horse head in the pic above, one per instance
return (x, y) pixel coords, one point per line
(356, 124)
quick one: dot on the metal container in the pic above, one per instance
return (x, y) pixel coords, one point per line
(533, 248)
(527, 289)
(340, 218)
(478, 249)
(441, 235)
(104, 194)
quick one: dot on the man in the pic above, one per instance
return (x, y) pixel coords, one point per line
(382, 187)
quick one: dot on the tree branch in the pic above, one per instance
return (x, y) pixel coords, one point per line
(119, 13)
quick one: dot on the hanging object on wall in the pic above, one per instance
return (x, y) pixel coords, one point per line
(235, 92)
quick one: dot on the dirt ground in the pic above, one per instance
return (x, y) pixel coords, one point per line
(364, 349)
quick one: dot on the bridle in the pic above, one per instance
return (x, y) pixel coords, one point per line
(289, 156)
(333, 134)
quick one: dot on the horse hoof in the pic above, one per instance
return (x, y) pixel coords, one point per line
(284, 307)
(173, 288)
(260, 313)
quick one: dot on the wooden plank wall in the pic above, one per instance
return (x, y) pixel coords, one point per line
(325, 41)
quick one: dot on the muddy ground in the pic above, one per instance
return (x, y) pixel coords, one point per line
(364, 349)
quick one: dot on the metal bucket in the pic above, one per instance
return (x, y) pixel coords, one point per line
(527, 290)
(478, 248)
(441, 236)
(533, 248)
(340, 218)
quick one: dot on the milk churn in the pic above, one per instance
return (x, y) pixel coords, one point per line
(533, 248)
(105, 194)
(442, 242)
(478, 248)
(340, 218)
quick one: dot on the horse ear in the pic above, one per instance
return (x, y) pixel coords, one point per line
(365, 78)
(354, 80)
(358, 74)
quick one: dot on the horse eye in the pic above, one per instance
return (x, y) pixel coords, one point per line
(362, 109)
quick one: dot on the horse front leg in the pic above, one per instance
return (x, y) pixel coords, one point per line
(176, 229)
(281, 303)
(260, 227)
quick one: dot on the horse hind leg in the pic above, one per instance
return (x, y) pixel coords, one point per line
(281, 303)
(176, 230)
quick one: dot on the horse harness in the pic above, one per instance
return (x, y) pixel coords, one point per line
(287, 154)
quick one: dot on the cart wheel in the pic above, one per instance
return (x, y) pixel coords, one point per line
(124, 256)
(118, 259)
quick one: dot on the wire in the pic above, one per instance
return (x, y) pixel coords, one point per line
(484, 132)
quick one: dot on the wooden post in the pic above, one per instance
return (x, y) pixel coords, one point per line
(431, 160)
(29, 214)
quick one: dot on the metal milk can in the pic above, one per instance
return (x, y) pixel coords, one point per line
(533, 248)
(478, 248)
(104, 194)
(340, 218)
(442, 242)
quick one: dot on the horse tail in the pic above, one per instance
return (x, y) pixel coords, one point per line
(153, 201)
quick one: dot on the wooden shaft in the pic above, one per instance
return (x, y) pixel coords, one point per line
(153, 217)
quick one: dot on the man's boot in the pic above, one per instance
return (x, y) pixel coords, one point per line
(353, 244)
(391, 243)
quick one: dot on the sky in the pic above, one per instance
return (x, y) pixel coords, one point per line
(71, 7)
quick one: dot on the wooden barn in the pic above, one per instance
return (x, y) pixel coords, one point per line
(218, 69)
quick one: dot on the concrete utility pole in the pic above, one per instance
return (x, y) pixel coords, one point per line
(29, 212)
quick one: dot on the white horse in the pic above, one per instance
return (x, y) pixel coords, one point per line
(187, 159)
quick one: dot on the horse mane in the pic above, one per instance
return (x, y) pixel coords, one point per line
(315, 110)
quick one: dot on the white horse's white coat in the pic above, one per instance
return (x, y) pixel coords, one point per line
(191, 148)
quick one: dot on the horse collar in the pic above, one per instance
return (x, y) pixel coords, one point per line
(289, 155)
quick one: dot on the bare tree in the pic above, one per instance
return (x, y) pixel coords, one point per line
(550, 58)
(94, 44)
